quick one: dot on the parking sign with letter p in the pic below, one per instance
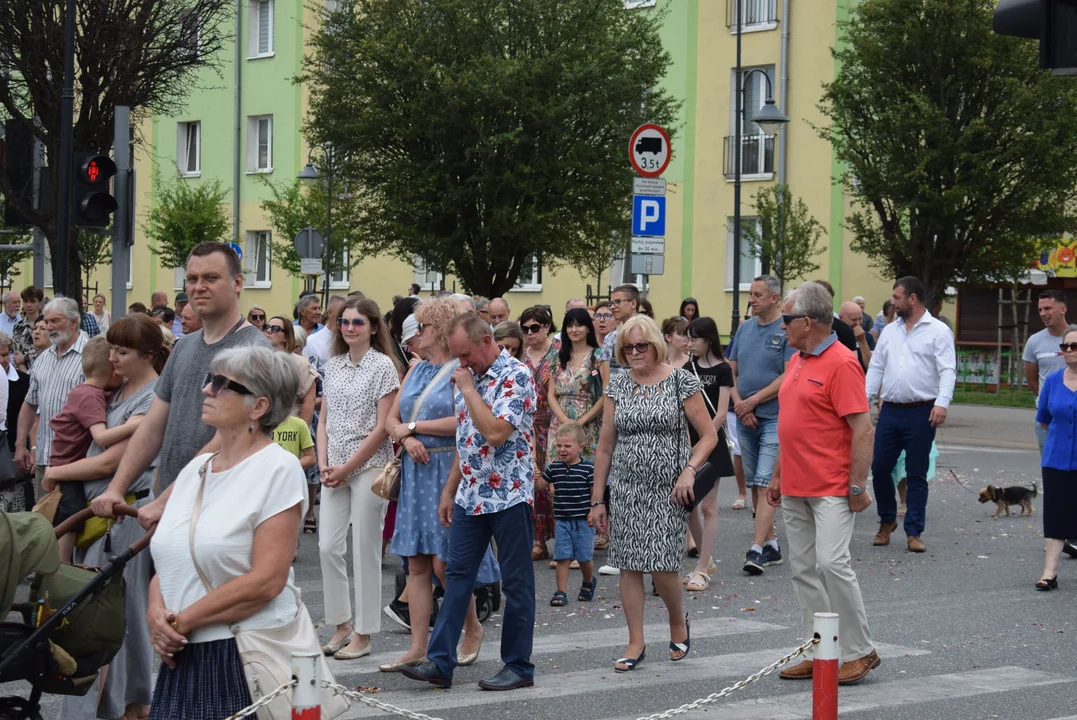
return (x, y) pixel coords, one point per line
(648, 215)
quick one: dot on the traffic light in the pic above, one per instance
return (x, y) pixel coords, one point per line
(1052, 22)
(93, 199)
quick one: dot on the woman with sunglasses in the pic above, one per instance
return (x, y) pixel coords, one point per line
(1056, 410)
(281, 335)
(138, 354)
(223, 547)
(361, 382)
(428, 442)
(577, 379)
(536, 324)
(256, 316)
(509, 338)
(646, 458)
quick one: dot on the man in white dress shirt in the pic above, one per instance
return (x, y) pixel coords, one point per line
(10, 314)
(320, 344)
(912, 371)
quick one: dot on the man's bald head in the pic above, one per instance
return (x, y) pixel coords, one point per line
(499, 310)
(851, 314)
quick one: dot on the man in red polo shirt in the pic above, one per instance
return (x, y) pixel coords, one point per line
(820, 478)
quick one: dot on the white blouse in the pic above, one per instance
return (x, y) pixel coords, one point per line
(352, 393)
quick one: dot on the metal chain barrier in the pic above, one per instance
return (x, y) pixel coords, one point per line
(367, 700)
(255, 707)
(735, 686)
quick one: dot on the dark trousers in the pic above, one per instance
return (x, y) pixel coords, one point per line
(469, 537)
(907, 429)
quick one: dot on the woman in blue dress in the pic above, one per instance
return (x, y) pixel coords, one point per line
(428, 438)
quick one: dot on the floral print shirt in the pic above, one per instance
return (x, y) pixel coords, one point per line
(497, 478)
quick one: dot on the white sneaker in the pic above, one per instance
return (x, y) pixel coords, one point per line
(607, 570)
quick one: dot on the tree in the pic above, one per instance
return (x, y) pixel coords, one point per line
(186, 213)
(146, 54)
(788, 237)
(959, 149)
(95, 249)
(11, 266)
(291, 209)
(480, 132)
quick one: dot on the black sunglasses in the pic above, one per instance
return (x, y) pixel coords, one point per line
(272, 329)
(1071, 347)
(637, 349)
(220, 382)
(258, 317)
(790, 318)
(531, 329)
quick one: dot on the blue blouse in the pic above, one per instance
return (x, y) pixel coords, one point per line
(1058, 411)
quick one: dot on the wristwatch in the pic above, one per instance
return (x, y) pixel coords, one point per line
(411, 427)
(855, 490)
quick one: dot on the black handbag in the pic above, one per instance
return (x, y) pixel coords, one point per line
(706, 474)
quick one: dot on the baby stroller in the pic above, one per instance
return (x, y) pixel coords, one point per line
(73, 623)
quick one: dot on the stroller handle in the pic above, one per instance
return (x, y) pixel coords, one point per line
(86, 513)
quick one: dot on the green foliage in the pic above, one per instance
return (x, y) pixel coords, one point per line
(476, 133)
(291, 209)
(94, 249)
(788, 238)
(959, 149)
(184, 214)
(11, 263)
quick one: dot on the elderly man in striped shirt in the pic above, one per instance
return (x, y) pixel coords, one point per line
(52, 377)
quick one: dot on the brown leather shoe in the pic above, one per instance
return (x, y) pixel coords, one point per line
(800, 671)
(856, 670)
(883, 536)
(916, 544)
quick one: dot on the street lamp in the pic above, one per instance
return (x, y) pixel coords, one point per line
(769, 119)
(310, 172)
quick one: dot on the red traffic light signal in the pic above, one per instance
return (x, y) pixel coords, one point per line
(93, 202)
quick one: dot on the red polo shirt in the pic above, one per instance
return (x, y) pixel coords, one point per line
(818, 391)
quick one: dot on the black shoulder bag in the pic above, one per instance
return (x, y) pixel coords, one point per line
(706, 475)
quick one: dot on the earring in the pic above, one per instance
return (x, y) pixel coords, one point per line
(250, 428)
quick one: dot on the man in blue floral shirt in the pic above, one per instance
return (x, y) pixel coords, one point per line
(489, 493)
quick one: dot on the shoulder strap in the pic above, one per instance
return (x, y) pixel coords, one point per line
(695, 371)
(441, 374)
(195, 513)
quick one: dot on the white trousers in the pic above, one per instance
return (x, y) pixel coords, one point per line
(352, 504)
(818, 532)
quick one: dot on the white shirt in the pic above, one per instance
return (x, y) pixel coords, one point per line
(7, 323)
(914, 366)
(234, 503)
(318, 348)
(12, 376)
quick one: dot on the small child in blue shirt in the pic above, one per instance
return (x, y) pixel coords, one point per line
(572, 479)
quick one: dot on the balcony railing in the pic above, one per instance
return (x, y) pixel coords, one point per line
(756, 12)
(756, 155)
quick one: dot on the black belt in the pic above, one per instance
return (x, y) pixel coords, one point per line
(918, 404)
(141, 494)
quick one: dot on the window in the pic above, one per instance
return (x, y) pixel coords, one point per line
(530, 279)
(190, 34)
(179, 278)
(757, 14)
(260, 144)
(189, 148)
(256, 258)
(48, 262)
(340, 279)
(750, 267)
(260, 21)
(757, 148)
(427, 278)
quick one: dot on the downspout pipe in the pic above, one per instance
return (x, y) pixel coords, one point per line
(237, 125)
(783, 85)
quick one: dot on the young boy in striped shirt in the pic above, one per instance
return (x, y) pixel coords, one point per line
(571, 479)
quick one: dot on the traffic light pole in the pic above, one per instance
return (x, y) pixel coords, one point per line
(121, 224)
(67, 153)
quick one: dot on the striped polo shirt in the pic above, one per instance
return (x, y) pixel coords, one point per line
(572, 493)
(51, 379)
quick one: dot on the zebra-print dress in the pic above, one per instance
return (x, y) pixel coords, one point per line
(647, 531)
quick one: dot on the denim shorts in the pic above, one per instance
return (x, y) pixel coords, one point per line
(758, 450)
(573, 540)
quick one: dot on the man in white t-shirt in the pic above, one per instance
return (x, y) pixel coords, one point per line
(320, 345)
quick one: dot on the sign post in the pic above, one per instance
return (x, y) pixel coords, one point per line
(649, 151)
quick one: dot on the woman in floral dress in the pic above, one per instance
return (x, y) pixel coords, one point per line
(577, 379)
(536, 324)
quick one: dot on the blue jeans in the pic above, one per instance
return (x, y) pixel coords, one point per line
(758, 449)
(469, 538)
(907, 429)
(574, 540)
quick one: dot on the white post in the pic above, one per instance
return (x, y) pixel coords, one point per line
(306, 697)
(827, 653)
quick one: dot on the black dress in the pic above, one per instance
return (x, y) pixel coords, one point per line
(713, 380)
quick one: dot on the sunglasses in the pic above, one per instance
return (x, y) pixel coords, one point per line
(637, 349)
(531, 329)
(353, 322)
(790, 318)
(1068, 347)
(220, 382)
(419, 327)
(258, 317)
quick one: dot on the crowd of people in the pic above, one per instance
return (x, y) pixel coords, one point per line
(518, 440)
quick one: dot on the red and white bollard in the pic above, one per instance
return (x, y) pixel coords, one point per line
(306, 697)
(824, 677)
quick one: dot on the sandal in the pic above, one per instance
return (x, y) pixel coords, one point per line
(1047, 583)
(559, 599)
(683, 647)
(629, 663)
(310, 526)
(553, 564)
(698, 582)
(713, 568)
(740, 504)
(538, 552)
(587, 591)
(574, 565)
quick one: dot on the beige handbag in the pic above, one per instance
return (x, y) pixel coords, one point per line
(267, 653)
(387, 484)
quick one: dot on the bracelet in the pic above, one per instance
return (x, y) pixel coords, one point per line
(596, 504)
(692, 467)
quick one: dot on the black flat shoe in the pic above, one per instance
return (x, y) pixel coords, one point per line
(685, 646)
(630, 664)
(505, 680)
(427, 672)
(1047, 584)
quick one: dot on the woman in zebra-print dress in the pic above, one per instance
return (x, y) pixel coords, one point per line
(645, 455)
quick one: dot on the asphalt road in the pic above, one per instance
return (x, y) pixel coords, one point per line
(961, 631)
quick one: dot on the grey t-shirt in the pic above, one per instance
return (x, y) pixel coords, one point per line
(118, 413)
(760, 353)
(1042, 349)
(609, 353)
(180, 385)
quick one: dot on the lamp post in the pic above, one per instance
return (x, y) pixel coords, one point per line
(309, 172)
(769, 119)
